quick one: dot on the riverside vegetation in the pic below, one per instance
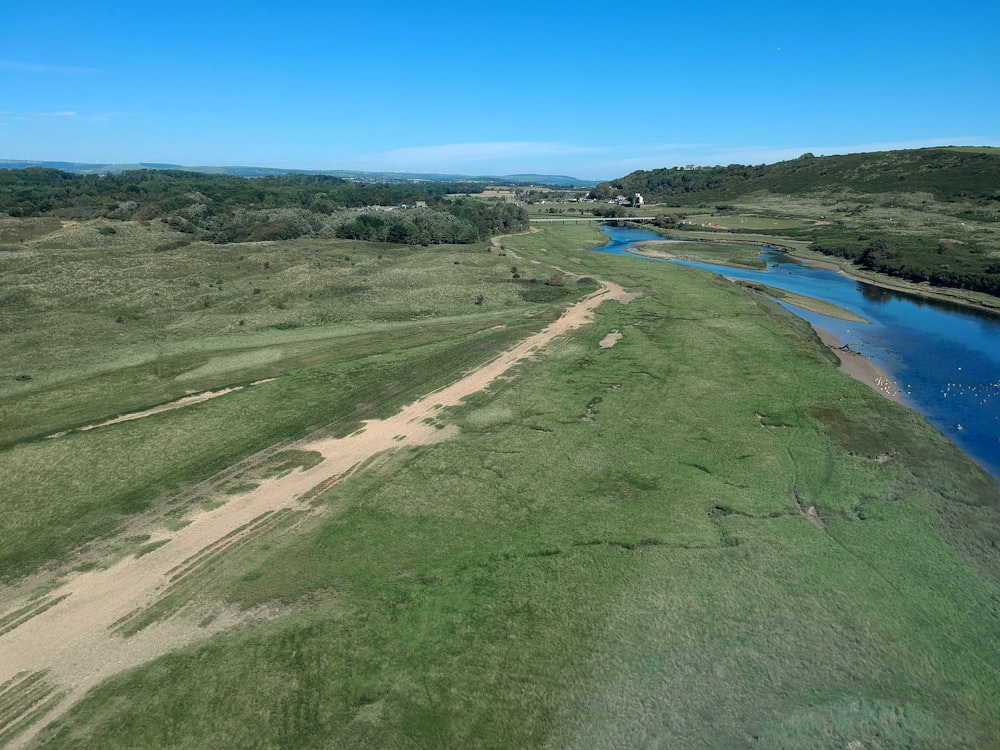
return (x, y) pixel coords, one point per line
(926, 215)
(703, 536)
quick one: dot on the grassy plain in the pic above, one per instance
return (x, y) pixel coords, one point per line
(703, 537)
(110, 324)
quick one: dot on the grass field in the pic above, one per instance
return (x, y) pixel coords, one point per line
(745, 222)
(104, 301)
(110, 324)
(719, 253)
(704, 536)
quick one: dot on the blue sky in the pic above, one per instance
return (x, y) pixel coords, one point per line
(590, 89)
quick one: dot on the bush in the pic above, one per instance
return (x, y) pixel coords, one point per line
(274, 230)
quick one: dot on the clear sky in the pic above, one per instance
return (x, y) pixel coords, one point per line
(590, 89)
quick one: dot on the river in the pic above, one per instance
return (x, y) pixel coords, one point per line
(943, 359)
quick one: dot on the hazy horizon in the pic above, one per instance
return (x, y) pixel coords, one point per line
(307, 168)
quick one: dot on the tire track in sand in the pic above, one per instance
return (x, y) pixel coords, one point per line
(71, 637)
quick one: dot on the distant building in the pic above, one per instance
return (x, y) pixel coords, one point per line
(636, 201)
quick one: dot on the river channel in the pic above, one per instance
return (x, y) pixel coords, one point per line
(943, 359)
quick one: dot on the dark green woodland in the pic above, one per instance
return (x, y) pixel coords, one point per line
(225, 208)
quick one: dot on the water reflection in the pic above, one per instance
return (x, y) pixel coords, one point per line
(876, 294)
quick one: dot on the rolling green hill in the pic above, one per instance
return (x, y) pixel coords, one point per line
(925, 215)
(949, 174)
(400, 178)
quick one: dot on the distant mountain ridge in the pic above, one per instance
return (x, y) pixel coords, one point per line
(362, 176)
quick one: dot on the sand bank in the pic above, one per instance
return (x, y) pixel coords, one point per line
(858, 367)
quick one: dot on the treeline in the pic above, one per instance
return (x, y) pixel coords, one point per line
(459, 221)
(946, 173)
(224, 208)
(663, 185)
(943, 263)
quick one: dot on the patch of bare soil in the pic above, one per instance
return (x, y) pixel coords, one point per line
(72, 636)
(611, 339)
(809, 513)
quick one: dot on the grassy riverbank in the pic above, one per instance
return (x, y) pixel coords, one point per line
(703, 536)
(741, 256)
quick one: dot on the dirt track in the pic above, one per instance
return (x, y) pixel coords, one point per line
(67, 638)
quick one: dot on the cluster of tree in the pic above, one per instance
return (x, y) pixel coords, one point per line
(940, 263)
(225, 208)
(419, 226)
(669, 221)
(609, 212)
(659, 185)
(37, 190)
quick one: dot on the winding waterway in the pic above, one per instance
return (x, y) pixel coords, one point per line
(943, 359)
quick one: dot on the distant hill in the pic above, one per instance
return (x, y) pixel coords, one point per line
(355, 175)
(81, 168)
(946, 173)
(925, 215)
(548, 179)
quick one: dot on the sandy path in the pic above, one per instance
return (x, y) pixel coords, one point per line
(68, 634)
(194, 398)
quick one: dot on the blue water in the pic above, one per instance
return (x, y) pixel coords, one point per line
(943, 359)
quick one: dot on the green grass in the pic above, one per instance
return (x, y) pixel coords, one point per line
(745, 222)
(806, 303)
(24, 699)
(651, 577)
(63, 492)
(13, 232)
(100, 325)
(726, 254)
(77, 302)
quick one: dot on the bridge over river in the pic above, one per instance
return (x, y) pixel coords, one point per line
(599, 219)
